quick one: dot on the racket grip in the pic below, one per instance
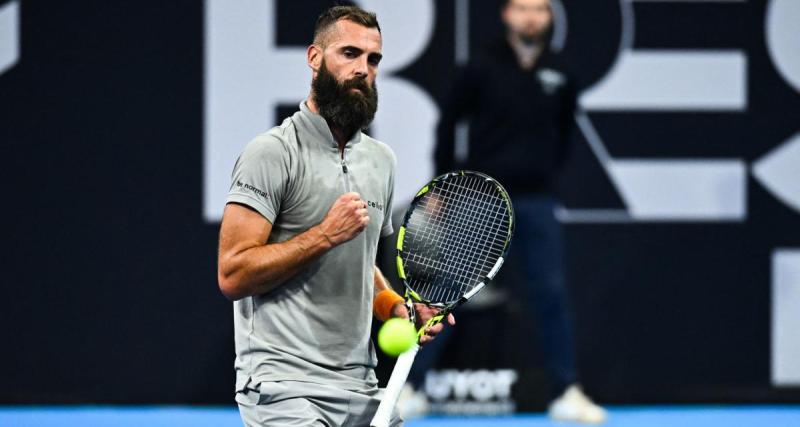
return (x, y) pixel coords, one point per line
(396, 382)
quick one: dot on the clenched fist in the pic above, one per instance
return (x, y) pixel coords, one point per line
(345, 219)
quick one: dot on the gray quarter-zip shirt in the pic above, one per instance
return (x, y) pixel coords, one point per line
(315, 327)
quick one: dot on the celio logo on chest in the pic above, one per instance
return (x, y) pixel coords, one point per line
(375, 205)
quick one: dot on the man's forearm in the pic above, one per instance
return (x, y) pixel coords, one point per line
(386, 306)
(379, 281)
(261, 268)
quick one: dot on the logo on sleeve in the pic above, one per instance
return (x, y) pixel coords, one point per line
(249, 187)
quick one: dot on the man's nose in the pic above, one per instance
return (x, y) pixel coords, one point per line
(361, 67)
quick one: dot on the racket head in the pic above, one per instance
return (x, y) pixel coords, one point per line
(454, 237)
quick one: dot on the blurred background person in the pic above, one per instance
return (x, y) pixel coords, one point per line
(519, 98)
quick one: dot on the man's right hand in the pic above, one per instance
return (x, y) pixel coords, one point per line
(346, 219)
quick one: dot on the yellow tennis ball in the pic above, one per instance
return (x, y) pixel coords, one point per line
(396, 336)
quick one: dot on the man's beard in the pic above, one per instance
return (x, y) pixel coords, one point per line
(342, 107)
(534, 37)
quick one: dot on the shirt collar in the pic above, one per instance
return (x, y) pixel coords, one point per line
(316, 125)
(527, 55)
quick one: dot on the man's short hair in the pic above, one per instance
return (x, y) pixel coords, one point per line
(355, 14)
(504, 3)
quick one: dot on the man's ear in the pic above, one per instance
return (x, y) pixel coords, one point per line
(314, 57)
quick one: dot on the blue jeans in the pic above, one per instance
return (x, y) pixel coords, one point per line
(538, 246)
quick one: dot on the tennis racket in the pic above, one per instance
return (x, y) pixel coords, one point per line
(453, 241)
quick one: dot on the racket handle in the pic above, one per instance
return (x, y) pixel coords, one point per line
(396, 382)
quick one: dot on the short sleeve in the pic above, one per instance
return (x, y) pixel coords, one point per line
(260, 176)
(387, 227)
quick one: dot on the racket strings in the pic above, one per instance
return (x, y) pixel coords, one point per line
(455, 236)
(461, 239)
(475, 218)
(473, 215)
(494, 207)
(461, 267)
(480, 214)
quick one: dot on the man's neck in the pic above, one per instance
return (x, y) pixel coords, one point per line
(337, 133)
(527, 52)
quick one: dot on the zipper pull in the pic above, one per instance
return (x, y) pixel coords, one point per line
(344, 177)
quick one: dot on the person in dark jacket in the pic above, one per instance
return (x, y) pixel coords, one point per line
(519, 99)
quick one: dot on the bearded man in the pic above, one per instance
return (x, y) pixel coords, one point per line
(308, 202)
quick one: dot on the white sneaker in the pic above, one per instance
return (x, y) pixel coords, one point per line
(574, 406)
(412, 404)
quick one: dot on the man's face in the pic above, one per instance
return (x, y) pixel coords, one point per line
(344, 76)
(352, 51)
(528, 19)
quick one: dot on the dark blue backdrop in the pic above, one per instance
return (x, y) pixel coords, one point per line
(109, 269)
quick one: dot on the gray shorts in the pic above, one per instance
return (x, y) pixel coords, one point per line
(295, 403)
